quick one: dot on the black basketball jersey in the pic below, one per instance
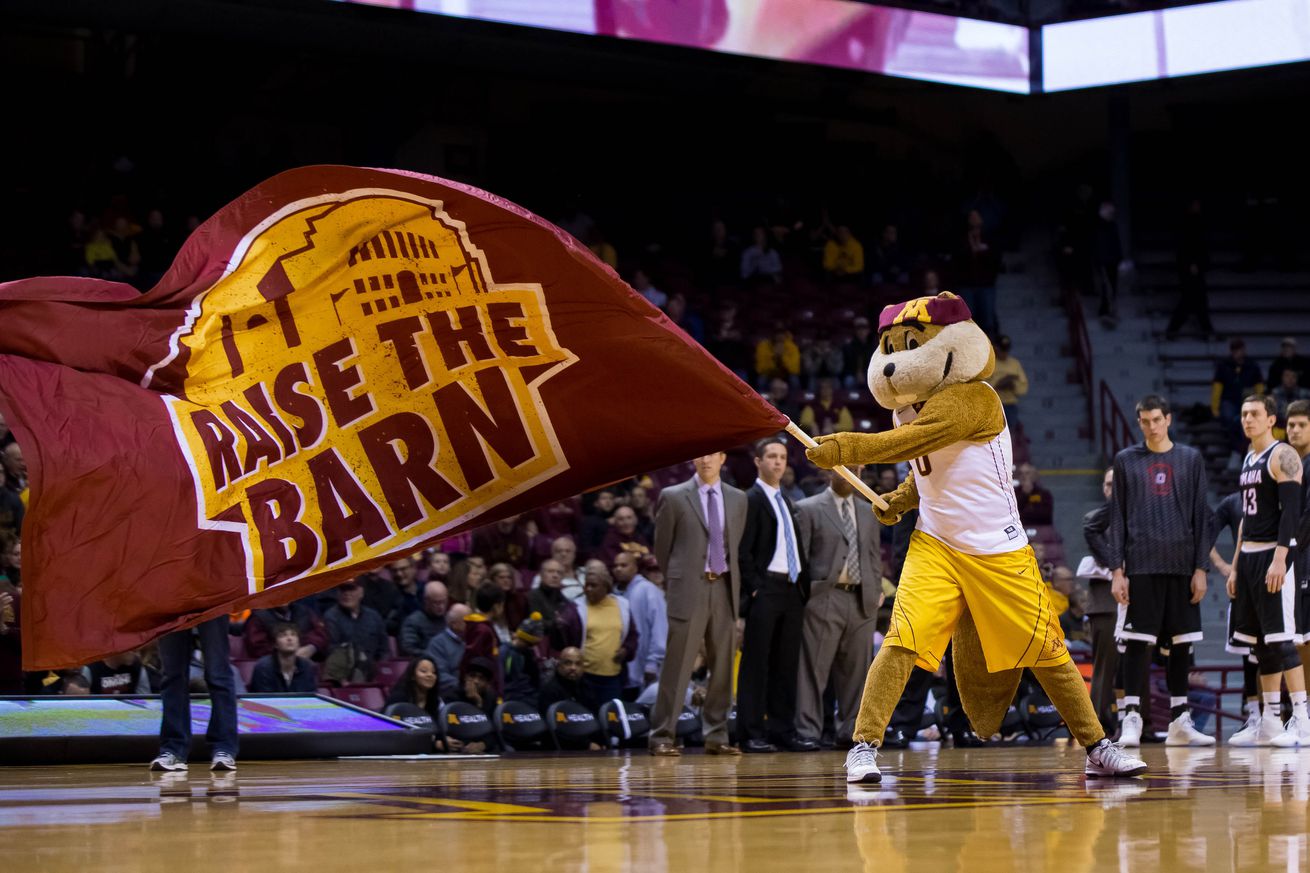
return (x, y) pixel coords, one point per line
(1260, 510)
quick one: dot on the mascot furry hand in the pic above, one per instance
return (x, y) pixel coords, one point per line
(929, 369)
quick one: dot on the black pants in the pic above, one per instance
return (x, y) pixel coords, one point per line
(1105, 664)
(770, 661)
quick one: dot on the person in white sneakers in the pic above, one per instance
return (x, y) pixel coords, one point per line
(1160, 554)
(1263, 586)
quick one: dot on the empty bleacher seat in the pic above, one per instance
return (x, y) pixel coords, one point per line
(364, 696)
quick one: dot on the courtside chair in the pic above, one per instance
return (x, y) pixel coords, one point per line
(519, 725)
(624, 724)
(464, 722)
(572, 725)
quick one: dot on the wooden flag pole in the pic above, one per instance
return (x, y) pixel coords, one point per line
(844, 472)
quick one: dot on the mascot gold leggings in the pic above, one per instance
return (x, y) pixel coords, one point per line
(985, 697)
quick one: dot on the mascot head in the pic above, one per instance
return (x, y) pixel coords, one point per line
(924, 345)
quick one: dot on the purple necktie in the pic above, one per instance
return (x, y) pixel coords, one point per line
(718, 560)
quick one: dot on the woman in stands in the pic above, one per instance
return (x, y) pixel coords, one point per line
(414, 699)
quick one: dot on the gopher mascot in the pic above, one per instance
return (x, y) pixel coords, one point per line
(969, 571)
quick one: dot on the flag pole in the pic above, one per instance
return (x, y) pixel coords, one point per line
(844, 472)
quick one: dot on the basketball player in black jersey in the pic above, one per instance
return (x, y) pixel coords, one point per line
(1298, 437)
(1262, 583)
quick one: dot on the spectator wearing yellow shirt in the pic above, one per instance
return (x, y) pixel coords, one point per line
(1009, 379)
(779, 358)
(843, 256)
(826, 414)
(601, 625)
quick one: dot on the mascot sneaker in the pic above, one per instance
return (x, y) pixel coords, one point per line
(1183, 733)
(862, 764)
(1130, 732)
(1108, 759)
(1258, 731)
(1297, 733)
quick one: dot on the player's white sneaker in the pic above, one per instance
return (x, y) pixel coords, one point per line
(862, 764)
(1130, 732)
(1108, 759)
(1296, 733)
(1183, 733)
(1259, 730)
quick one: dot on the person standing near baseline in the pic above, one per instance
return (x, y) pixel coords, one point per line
(773, 605)
(175, 692)
(1262, 584)
(1298, 436)
(698, 529)
(1159, 557)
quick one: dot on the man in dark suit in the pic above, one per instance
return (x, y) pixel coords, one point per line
(773, 604)
(698, 529)
(839, 538)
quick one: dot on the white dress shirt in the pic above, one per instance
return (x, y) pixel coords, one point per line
(778, 564)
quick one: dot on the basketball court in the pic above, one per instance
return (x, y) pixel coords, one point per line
(977, 810)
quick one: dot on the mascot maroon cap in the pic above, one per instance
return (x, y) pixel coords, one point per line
(946, 308)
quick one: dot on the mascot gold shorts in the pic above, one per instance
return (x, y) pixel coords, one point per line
(1005, 593)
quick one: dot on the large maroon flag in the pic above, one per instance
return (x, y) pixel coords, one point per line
(342, 365)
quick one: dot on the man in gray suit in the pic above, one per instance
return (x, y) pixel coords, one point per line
(839, 537)
(698, 527)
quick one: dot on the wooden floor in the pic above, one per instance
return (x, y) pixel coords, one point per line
(1026, 809)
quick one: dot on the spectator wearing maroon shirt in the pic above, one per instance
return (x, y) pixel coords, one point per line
(516, 600)
(623, 536)
(1036, 506)
(480, 638)
(508, 541)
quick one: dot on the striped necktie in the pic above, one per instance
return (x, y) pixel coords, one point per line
(793, 565)
(852, 544)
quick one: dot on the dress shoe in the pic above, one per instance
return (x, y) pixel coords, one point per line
(665, 750)
(722, 749)
(967, 739)
(758, 746)
(802, 744)
(895, 738)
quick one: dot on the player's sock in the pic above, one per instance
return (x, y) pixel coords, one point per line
(1298, 704)
(1252, 706)
(1273, 704)
(1131, 704)
(1250, 679)
(1177, 707)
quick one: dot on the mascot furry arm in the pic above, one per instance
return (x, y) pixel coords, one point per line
(965, 412)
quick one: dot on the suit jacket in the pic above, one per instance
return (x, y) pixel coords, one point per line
(682, 542)
(759, 542)
(823, 542)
